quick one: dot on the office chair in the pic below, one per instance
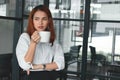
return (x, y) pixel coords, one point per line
(95, 58)
(70, 58)
(98, 61)
(93, 54)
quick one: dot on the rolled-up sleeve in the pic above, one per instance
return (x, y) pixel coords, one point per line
(21, 49)
(59, 57)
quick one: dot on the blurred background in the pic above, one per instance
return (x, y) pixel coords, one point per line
(88, 30)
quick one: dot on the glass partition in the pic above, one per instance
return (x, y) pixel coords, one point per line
(29, 4)
(67, 9)
(68, 33)
(104, 9)
(25, 24)
(6, 34)
(105, 51)
(7, 8)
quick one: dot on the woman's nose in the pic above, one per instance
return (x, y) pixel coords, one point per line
(40, 22)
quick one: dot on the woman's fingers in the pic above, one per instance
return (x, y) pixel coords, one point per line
(35, 37)
(28, 72)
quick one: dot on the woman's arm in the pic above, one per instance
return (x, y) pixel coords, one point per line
(31, 50)
(49, 66)
(30, 53)
(25, 50)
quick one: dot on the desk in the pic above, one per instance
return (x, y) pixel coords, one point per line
(114, 70)
(114, 65)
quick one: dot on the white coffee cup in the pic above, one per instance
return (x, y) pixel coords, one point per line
(45, 36)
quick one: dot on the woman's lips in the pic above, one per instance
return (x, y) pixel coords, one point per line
(40, 27)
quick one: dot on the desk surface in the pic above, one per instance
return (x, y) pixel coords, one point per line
(114, 64)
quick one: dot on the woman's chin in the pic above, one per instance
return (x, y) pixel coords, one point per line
(40, 30)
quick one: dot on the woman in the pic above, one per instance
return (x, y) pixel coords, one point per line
(39, 59)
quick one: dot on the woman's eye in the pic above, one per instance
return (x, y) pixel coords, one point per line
(36, 19)
(45, 18)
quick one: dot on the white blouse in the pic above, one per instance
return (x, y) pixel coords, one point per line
(44, 53)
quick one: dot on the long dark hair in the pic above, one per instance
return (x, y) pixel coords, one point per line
(30, 27)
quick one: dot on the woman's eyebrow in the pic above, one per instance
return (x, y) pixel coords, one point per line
(40, 17)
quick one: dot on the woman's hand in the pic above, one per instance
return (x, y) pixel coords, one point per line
(35, 37)
(28, 72)
(35, 66)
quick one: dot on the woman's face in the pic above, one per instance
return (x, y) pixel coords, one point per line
(40, 20)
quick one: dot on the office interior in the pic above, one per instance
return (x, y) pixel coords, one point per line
(88, 31)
